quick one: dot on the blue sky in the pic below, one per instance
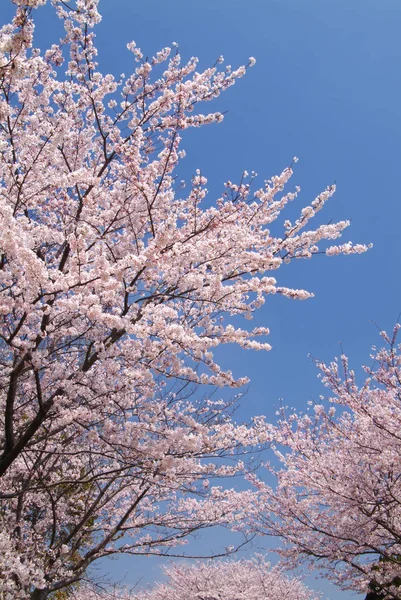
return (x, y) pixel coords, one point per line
(326, 88)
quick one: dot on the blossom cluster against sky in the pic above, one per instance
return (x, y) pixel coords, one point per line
(326, 88)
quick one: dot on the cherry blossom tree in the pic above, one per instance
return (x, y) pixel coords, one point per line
(116, 285)
(337, 504)
(228, 580)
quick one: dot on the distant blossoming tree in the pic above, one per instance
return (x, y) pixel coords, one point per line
(228, 580)
(115, 287)
(338, 499)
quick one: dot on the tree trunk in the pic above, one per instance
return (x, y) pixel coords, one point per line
(39, 594)
(374, 596)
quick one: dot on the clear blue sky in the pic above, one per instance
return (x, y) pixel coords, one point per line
(326, 88)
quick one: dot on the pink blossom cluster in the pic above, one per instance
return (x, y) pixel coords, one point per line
(337, 501)
(116, 286)
(228, 580)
